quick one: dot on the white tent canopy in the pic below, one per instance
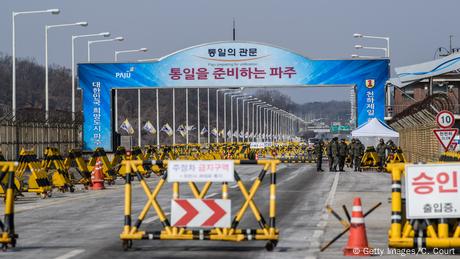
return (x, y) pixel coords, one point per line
(371, 132)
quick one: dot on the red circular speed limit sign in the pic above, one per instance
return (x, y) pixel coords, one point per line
(445, 119)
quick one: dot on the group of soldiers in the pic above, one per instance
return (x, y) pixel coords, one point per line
(338, 152)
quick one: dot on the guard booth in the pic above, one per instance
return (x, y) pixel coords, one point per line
(224, 65)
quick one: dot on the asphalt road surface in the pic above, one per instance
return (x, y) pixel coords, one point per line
(87, 224)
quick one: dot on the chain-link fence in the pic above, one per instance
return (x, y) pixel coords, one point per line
(29, 129)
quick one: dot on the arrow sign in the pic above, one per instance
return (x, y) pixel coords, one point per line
(445, 136)
(200, 213)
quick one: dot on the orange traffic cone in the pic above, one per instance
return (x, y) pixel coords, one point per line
(357, 241)
(97, 179)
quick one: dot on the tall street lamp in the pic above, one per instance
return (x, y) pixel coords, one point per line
(118, 52)
(387, 39)
(225, 111)
(74, 37)
(13, 52)
(47, 27)
(99, 41)
(374, 48)
(360, 56)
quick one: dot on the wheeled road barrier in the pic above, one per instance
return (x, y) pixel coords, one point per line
(38, 181)
(8, 235)
(75, 160)
(370, 159)
(417, 233)
(265, 231)
(396, 157)
(53, 163)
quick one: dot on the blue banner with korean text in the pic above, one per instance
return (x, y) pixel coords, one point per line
(226, 64)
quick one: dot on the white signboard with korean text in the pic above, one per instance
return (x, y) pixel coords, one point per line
(200, 171)
(432, 191)
(257, 145)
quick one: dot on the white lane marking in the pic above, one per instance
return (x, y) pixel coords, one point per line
(212, 195)
(152, 219)
(253, 178)
(71, 254)
(234, 186)
(317, 234)
(328, 202)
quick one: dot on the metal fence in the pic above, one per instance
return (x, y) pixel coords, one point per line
(30, 130)
(415, 125)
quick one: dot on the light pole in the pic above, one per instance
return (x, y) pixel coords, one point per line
(387, 39)
(47, 27)
(374, 48)
(225, 111)
(118, 52)
(237, 115)
(74, 37)
(99, 41)
(231, 115)
(247, 99)
(254, 115)
(217, 112)
(251, 101)
(359, 56)
(258, 118)
(138, 91)
(13, 52)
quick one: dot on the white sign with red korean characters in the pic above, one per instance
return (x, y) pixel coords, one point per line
(432, 191)
(201, 171)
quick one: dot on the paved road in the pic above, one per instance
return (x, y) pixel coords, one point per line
(88, 224)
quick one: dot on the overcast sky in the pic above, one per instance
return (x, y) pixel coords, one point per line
(316, 29)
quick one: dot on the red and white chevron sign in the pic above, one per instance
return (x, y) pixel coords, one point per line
(201, 213)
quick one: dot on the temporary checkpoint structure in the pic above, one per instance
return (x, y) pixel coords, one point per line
(371, 132)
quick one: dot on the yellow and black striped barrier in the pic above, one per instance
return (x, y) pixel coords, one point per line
(265, 231)
(53, 163)
(75, 160)
(8, 235)
(38, 181)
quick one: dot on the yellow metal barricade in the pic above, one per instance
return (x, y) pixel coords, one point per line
(38, 181)
(75, 160)
(8, 235)
(265, 231)
(53, 163)
(421, 233)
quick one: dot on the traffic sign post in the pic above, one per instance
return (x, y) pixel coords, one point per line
(445, 119)
(445, 137)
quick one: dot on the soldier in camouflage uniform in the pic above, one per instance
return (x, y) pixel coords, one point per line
(318, 149)
(358, 154)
